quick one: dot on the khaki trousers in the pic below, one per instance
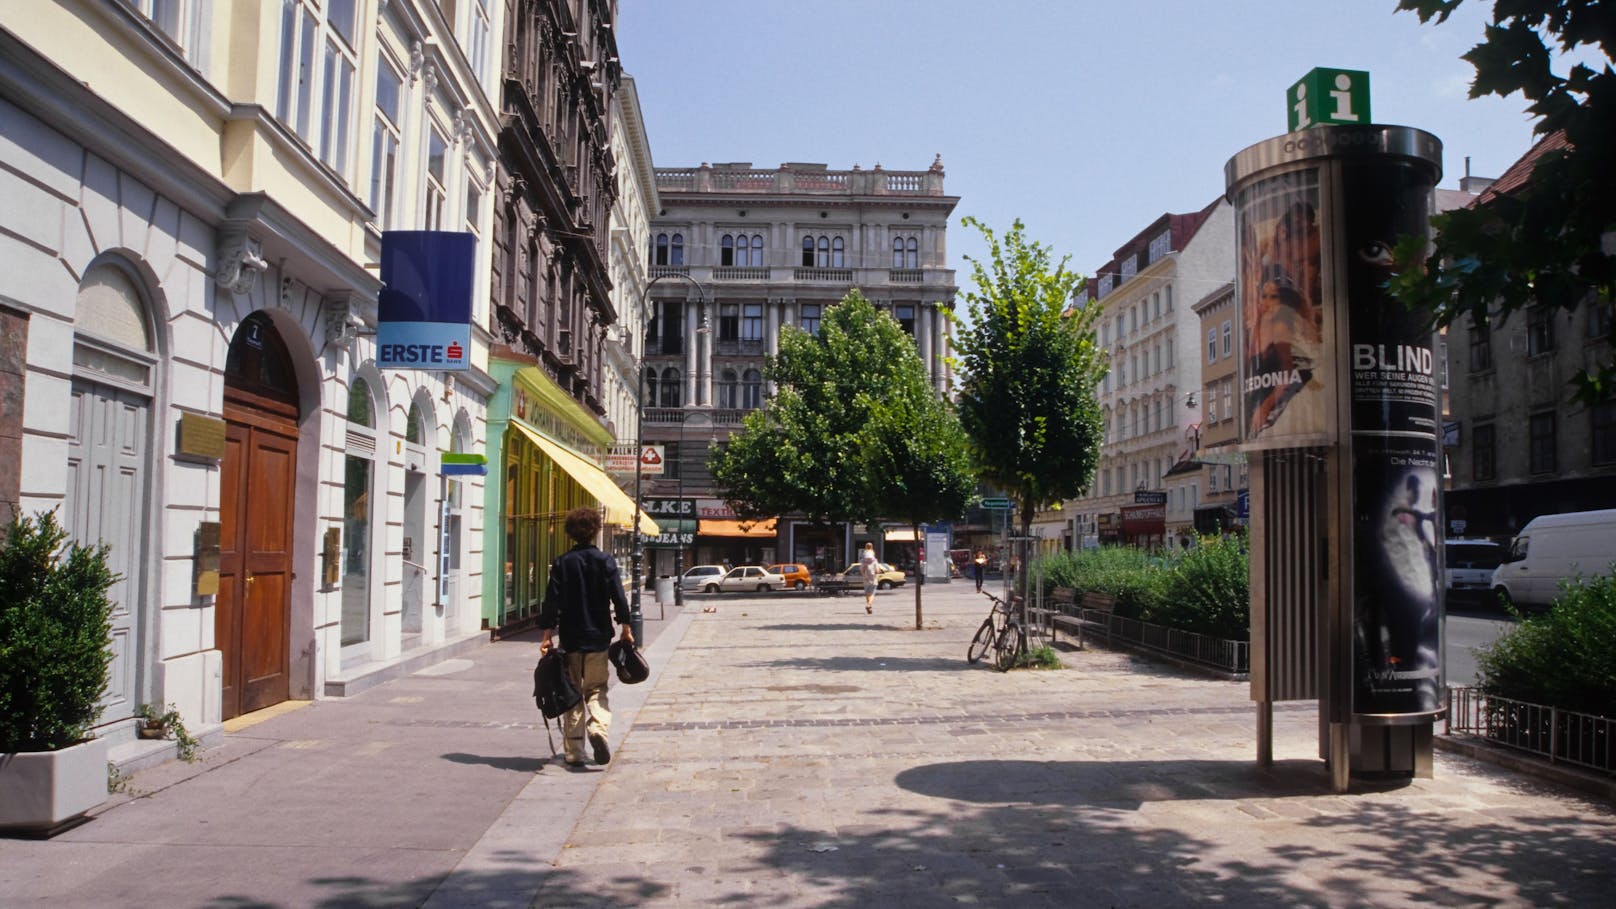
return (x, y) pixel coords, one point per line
(593, 715)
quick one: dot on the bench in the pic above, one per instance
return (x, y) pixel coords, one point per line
(1095, 616)
(1058, 611)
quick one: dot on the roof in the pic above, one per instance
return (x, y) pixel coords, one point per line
(1182, 229)
(1517, 174)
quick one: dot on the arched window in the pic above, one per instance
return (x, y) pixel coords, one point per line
(661, 250)
(752, 389)
(914, 253)
(726, 251)
(650, 387)
(358, 468)
(757, 251)
(359, 407)
(897, 252)
(672, 388)
(728, 389)
(676, 255)
(836, 253)
(823, 261)
(807, 252)
(415, 425)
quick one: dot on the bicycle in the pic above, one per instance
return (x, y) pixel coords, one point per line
(999, 632)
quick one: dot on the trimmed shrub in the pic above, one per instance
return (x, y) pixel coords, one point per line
(55, 619)
(1136, 577)
(1563, 658)
(1210, 591)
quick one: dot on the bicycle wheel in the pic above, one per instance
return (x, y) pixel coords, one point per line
(1010, 644)
(982, 641)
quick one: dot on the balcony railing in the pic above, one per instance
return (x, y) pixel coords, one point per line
(907, 276)
(817, 180)
(728, 273)
(825, 275)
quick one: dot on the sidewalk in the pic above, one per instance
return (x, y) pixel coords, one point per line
(792, 751)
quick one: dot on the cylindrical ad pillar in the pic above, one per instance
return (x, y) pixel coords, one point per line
(1330, 358)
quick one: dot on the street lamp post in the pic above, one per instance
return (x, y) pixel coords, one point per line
(636, 617)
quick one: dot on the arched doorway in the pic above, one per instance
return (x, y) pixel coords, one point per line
(252, 612)
(109, 462)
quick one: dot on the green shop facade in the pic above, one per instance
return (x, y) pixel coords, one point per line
(545, 458)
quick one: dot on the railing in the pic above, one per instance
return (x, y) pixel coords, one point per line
(658, 271)
(1218, 653)
(907, 276)
(836, 275)
(729, 273)
(904, 183)
(1563, 736)
(673, 416)
(785, 180)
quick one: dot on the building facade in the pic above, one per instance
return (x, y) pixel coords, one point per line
(554, 312)
(768, 248)
(1519, 447)
(1218, 467)
(1152, 335)
(196, 197)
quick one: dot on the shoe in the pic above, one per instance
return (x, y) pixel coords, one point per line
(603, 754)
(869, 609)
(575, 764)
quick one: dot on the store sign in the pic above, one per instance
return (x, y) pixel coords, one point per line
(621, 460)
(670, 508)
(1141, 497)
(424, 309)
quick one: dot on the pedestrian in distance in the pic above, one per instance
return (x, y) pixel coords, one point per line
(581, 601)
(979, 568)
(869, 570)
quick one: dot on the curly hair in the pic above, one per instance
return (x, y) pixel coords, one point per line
(583, 524)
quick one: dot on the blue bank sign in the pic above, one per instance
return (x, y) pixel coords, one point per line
(424, 311)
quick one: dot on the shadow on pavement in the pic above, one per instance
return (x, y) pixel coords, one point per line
(518, 764)
(482, 889)
(868, 664)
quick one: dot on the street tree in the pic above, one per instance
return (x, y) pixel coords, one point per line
(1030, 370)
(853, 432)
(1552, 241)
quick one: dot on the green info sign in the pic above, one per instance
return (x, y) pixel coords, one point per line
(1328, 97)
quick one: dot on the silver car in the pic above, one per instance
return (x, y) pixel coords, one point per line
(702, 577)
(747, 577)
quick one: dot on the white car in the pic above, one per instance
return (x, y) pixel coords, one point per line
(747, 577)
(699, 577)
(1470, 565)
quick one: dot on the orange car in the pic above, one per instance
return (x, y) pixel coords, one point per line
(797, 576)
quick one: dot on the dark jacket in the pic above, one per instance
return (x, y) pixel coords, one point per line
(583, 597)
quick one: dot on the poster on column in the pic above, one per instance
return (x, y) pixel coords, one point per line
(1285, 350)
(1396, 473)
(1397, 606)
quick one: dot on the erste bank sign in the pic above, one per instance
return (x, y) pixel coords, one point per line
(423, 315)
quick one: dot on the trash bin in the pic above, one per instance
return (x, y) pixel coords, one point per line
(664, 589)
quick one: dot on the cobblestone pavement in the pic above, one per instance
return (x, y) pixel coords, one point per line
(796, 752)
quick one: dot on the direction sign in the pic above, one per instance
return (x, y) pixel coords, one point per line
(997, 503)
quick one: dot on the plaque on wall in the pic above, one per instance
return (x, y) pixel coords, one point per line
(201, 437)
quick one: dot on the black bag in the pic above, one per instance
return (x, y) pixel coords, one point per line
(553, 690)
(632, 668)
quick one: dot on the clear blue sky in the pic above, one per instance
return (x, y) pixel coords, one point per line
(1086, 120)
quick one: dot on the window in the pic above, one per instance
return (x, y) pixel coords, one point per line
(1211, 405)
(1541, 448)
(1167, 295)
(676, 254)
(905, 252)
(905, 314)
(807, 252)
(740, 252)
(477, 40)
(836, 260)
(823, 258)
(305, 36)
(1228, 338)
(729, 386)
(1169, 353)
(385, 141)
(1603, 418)
(752, 322)
(435, 193)
(1228, 399)
(729, 321)
(672, 388)
(1161, 419)
(1105, 334)
(726, 251)
(1599, 320)
(1482, 459)
(1156, 353)
(672, 327)
(810, 317)
(752, 389)
(757, 251)
(1211, 345)
(659, 250)
(1481, 347)
(1539, 330)
(474, 206)
(650, 380)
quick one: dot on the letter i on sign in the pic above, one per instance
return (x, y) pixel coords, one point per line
(1343, 99)
(1303, 121)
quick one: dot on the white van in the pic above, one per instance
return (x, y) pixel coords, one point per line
(1552, 548)
(1469, 568)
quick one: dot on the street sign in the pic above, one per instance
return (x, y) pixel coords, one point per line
(998, 503)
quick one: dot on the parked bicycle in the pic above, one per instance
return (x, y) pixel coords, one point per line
(1000, 633)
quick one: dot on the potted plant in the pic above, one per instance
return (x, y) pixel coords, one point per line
(153, 722)
(54, 624)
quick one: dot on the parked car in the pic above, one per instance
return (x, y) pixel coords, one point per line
(886, 578)
(795, 575)
(746, 577)
(1552, 548)
(1470, 565)
(700, 576)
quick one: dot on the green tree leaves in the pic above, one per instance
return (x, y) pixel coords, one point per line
(1030, 368)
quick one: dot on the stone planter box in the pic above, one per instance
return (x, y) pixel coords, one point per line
(44, 792)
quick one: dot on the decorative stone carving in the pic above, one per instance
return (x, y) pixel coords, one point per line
(241, 261)
(342, 322)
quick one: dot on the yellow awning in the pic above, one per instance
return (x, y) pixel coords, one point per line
(619, 507)
(717, 527)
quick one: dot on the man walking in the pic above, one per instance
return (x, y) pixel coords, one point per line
(583, 597)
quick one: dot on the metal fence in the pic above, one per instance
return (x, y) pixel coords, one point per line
(1203, 650)
(1563, 736)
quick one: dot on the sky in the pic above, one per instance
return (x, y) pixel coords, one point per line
(1086, 120)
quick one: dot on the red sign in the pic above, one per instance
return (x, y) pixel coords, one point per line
(1144, 519)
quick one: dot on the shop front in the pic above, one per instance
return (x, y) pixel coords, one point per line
(549, 451)
(724, 539)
